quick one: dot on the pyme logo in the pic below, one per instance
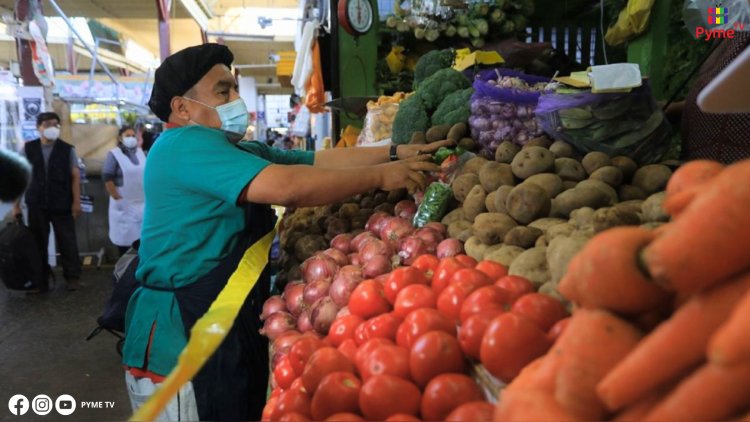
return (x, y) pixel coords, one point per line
(717, 15)
(717, 18)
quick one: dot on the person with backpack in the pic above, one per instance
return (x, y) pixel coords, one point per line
(208, 199)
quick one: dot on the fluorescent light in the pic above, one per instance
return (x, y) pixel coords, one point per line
(199, 11)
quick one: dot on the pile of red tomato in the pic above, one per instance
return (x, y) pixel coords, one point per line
(404, 348)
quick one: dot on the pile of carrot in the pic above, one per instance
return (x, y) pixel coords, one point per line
(661, 327)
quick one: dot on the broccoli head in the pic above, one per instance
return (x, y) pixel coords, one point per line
(455, 108)
(441, 84)
(432, 62)
(411, 117)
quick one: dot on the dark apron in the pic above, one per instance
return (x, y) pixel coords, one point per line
(233, 383)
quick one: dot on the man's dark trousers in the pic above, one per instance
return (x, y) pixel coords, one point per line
(65, 235)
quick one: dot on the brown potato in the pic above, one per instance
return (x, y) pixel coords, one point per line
(606, 218)
(468, 144)
(633, 205)
(522, 236)
(506, 152)
(492, 175)
(630, 192)
(460, 230)
(418, 138)
(653, 209)
(609, 190)
(502, 254)
(457, 132)
(550, 182)
(453, 216)
(474, 203)
(582, 217)
(475, 248)
(580, 197)
(532, 265)
(626, 165)
(491, 228)
(437, 133)
(593, 161)
(539, 141)
(527, 202)
(564, 229)
(544, 224)
(652, 178)
(463, 185)
(568, 185)
(531, 161)
(501, 195)
(489, 202)
(560, 252)
(569, 169)
(610, 175)
(474, 165)
(561, 149)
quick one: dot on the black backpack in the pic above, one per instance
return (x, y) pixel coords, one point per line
(20, 263)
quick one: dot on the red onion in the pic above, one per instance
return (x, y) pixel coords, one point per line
(317, 267)
(293, 297)
(322, 314)
(343, 312)
(354, 259)
(343, 242)
(272, 305)
(344, 283)
(286, 340)
(277, 324)
(395, 229)
(304, 324)
(337, 256)
(411, 248)
(372, 248)
(430, 237)
(438, 227)
(379, 264)
(376, 221)
(360, 240)
(405, 209)
(449, 247)
(315, 290)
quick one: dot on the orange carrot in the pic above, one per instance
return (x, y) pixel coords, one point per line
(605, 273)
(710, 393)
(674, 347)
(592, 344)
(710, 241)
(516, 404)
(731, 343)
(691, 174)
(639, 410)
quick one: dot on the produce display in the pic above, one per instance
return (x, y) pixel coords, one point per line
(379, 119)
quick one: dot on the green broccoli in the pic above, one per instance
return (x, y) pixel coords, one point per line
(455, 108)
(438, 86)
(411, 117)
(431, 63)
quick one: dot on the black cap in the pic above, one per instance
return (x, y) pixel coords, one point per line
(181, 71)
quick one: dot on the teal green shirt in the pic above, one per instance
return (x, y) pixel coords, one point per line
(192, 182)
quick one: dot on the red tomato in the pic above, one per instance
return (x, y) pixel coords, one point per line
(556, 331)
(468, 261)
(348, 348)
(390, 360)
(276, 392)
(510, 343)
(476, 411)
(484, 299)
(284, 374)
(343, 328)
(445, 393)
(420, 322)
(294, 417)
(301, 351)
(463, 284)
(367, 348)
(433, 354)
(493, 269)
(427, 264)
(517, 286)
(298, 385)
(269, 409)
(292, 400)
(321, 363)
(386, 395)
(400, 278)
(345, 417)
(472, 330)
(383, 326)
(401, 417)
(360, 334)
(542, 309)
(338, 392)
(444, 272)
(368, 300)
(414, 297)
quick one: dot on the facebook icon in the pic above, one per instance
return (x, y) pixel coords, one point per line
(18, 405)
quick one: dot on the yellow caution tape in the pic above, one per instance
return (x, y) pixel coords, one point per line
(211, 329)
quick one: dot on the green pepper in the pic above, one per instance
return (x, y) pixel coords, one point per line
(441, 154)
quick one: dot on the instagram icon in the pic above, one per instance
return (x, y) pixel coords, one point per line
(41, 405)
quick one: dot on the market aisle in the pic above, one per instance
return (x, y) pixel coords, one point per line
(42, 350)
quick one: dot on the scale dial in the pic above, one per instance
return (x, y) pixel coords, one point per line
(356, 16)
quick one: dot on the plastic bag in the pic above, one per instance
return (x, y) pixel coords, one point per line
(502, 108)
(632, 21)
(434, 204)
(617, 124)
(378, 124)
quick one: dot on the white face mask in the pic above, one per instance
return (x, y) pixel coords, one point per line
(130, 142)
(51, 133)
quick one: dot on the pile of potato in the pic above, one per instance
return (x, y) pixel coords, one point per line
(533, 208)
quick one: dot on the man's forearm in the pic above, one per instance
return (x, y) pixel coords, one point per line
(76, 188)
(352, 157)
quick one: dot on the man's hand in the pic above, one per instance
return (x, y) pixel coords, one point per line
(76, 209)
(405, 152)
(406, 174)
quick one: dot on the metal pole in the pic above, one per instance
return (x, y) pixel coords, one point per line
(80, 38)
(165, 44)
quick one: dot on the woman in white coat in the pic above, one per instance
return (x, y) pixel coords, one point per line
(123, 177)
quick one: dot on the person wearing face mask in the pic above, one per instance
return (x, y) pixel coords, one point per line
(208, 199)
(54, 196)
(123, 177)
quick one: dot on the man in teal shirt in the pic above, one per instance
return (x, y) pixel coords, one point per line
(207, 200)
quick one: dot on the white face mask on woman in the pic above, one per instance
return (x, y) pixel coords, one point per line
(130, 142)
